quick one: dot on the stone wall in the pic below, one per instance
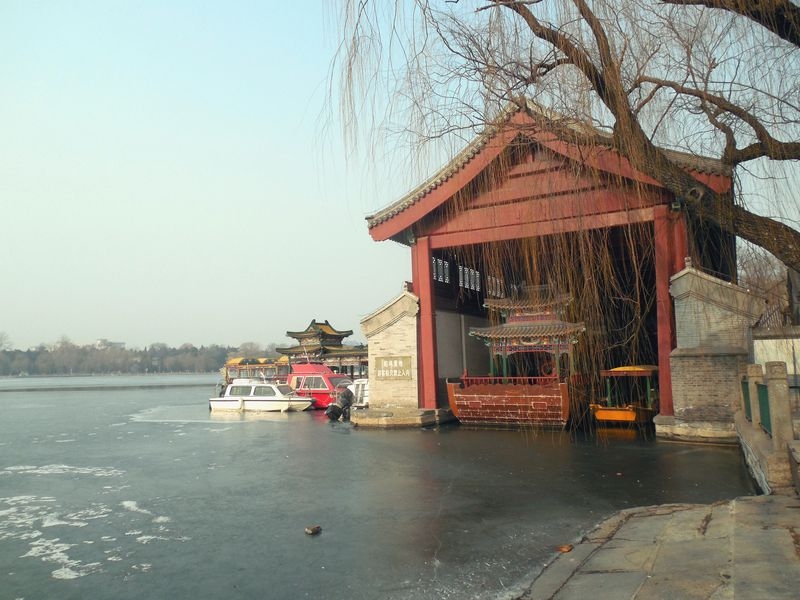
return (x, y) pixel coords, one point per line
(711, 313)
(704, 384)
(391, 333)
(772, 458)
(712, 321)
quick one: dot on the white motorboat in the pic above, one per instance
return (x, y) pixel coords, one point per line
(257, 395)
(360, 389)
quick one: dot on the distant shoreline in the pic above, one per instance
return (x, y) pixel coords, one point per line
(83, 386)
(80, 388)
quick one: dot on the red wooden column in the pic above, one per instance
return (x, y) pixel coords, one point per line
(670, 238)
(680, 241)
(422, 275)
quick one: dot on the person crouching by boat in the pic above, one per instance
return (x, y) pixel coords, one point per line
(341, 407)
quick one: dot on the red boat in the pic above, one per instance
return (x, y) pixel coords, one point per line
(317, 381)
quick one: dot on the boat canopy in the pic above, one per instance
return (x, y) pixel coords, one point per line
(631, 371)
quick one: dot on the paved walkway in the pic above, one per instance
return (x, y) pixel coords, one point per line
(745, 549)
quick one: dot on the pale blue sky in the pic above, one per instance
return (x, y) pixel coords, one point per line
(168, 173)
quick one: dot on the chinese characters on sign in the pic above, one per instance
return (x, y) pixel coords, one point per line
(393, 367)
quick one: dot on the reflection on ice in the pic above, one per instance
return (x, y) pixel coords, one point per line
(24, 518)
(63, 470)
(133, 506)
(250, 416)
(195, 414)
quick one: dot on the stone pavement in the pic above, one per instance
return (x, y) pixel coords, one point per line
(745, 549)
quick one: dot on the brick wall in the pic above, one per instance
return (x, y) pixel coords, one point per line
(712, 320)
(704, 385)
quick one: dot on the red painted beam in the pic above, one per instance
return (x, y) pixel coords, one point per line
(550, 183)
(492, 233)
(610, 161)
(585, 204)
(538, 162)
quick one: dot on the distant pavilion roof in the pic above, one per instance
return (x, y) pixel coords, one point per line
(320, 341)
(318, 350)
(315, 329)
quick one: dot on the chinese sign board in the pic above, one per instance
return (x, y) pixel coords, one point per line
(393, 367)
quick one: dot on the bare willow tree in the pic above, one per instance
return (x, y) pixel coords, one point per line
(717, 78)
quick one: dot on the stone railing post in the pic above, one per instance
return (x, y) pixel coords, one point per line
(754, 375)
(780, 411)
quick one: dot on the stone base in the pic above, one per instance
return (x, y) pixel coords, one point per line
(389, 417)
(707, 432)
(794, 464)
(768, 466)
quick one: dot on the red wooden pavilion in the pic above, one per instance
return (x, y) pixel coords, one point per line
(531, 175)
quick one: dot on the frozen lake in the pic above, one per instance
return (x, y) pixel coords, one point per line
(127, 487)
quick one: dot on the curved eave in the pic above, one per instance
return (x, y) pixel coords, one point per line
(527, 304)
(532, 332)
(317, 334)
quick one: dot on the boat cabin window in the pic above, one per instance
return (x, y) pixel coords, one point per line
(314, 383)
(264, 390)
(286, 390)
(240, 390)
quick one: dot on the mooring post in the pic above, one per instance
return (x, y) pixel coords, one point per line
(780, 411)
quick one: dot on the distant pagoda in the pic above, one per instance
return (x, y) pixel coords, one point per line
(320, 342)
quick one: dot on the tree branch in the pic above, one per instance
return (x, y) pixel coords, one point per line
(766, 146)
(631, 140)
(781, 17)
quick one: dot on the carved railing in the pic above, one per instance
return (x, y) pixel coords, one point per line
(469, 380)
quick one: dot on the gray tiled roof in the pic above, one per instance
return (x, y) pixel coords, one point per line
(531, 331)
(531, 302)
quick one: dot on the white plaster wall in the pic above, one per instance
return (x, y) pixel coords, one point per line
(778, 350)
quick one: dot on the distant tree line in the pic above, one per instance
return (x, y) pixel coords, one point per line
(66, 358)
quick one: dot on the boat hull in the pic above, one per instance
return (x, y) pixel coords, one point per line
(243, 404)
(544, 404)
(622, 414)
